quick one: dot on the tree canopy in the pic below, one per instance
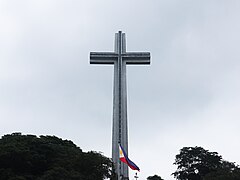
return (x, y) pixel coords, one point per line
(155, 177)
(28, 157)
(196, 163)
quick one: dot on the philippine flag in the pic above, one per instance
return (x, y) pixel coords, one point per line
(123, 157)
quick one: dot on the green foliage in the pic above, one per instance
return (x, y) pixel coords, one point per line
(155, 177)
(196, 163)
(27, 157)
(223, 175)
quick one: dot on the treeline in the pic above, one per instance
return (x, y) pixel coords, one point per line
(196, 163)
(28, 157)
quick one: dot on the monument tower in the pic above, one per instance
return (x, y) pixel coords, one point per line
(120, 58)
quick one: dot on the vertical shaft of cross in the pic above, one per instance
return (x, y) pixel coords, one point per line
(120, 133)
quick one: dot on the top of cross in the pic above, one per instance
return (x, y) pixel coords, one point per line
(120, 53)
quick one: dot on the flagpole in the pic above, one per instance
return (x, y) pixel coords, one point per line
(119, 165)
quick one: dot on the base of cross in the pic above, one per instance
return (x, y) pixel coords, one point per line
(124, 178)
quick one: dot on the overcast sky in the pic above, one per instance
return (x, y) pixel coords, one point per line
(188, 96)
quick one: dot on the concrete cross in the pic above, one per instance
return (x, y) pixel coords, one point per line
(120, 58)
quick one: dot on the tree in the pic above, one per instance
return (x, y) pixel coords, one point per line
(155, 177)
(26, 157)
(195, 163)
(223, 175)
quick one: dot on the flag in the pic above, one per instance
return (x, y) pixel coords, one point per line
(123, 157)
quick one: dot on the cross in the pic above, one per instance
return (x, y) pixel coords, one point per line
(120, 58)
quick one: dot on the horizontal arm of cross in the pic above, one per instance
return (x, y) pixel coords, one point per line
(137, 57)
(103, 57)
(110, 57)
